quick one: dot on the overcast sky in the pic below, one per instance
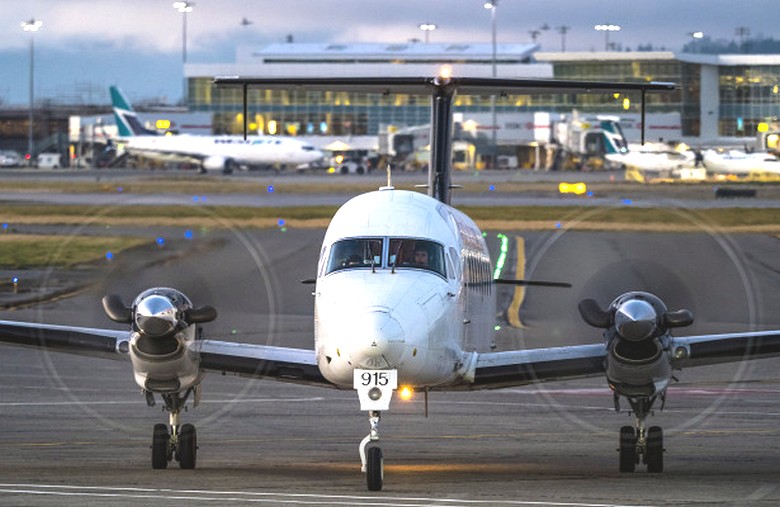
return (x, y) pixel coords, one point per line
(86, 45)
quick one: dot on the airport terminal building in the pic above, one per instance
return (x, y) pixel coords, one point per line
(722, 98)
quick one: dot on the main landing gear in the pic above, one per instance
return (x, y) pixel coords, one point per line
(641, 443)
(371, 455)
(173, 441)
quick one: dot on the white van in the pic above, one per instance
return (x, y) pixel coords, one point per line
(49, 161)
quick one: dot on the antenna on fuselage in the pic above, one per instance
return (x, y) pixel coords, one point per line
(389, 185)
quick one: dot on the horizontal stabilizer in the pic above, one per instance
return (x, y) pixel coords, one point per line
(531, 283)
(429, 85)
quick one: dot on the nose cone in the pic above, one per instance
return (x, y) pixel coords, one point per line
(374, 339)
(155, 315)
(635, 320)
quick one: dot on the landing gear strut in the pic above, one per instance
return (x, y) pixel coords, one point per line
(174, 441)
(371, 457)
(641, 443)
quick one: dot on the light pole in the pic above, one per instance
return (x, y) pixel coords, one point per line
(698, 35)
(184, 8)
(491, 5)
(563, 30)
(32, 26)
(606, 28)
(427, 28)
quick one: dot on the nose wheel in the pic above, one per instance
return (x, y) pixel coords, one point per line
(375, 473)
(371, 456)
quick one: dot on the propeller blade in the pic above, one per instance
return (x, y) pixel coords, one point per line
(116, 310)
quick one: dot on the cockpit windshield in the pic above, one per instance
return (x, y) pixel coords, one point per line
(355, 253)
(417, 253)
(387, 253)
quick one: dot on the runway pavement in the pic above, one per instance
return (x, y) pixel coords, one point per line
(76, 431)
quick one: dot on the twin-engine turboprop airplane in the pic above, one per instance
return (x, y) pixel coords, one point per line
(416, 274)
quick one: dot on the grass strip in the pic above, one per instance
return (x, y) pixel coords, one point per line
(19, 251)
(263, 216)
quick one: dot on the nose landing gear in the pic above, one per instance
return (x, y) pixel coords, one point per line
(375, 389)
(371, 457)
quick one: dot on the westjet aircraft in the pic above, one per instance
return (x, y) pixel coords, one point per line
(403, 297)
(213, 153)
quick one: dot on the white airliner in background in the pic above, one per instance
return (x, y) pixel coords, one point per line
(213, 153)
(404, 296)
(740, 163)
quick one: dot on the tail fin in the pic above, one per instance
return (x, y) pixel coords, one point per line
(126, 120)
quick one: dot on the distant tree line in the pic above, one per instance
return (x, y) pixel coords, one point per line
(721, 46)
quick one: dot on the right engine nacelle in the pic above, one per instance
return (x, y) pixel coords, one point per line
(164, 325)
(636, 328)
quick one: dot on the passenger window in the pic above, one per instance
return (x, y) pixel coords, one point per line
(453, 268)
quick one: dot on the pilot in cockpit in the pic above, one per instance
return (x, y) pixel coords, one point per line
(421, 258)
(352, 256)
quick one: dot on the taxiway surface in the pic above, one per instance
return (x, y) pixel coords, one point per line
(76, 431)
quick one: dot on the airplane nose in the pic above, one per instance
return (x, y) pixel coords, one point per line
(374, 340)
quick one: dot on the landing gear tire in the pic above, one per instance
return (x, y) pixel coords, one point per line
(627, 449)
(374, 469)
(655, 450)
(188, 447)
(160, 443)
(230, 166)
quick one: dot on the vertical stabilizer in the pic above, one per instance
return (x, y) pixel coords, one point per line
(127, 121)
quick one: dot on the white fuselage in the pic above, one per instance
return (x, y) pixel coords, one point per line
(383, 312)
(739, 162)
(255, 150)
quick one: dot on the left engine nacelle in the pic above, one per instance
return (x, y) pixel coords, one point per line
(164, 325)
(636, 328)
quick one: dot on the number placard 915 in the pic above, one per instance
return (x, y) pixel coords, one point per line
(366, 379)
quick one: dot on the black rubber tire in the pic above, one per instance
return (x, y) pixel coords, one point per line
(627, 449)
(188, 447)
(374, 469)
(655, 450)
(160, 440)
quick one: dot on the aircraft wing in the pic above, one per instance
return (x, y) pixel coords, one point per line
(105, 343)
(521, 367)
(261, 361)
(727, 348)
(243, 359)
